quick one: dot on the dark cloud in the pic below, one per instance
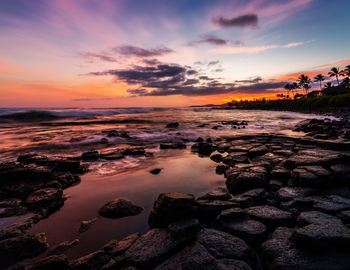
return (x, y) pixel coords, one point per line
(212, 63)
(139, 91)
(151, 62)
(129, 50)
(191, 72)
(97, 56)
(238, 43)
(250, 80)
(209, 40)
(218, 70)
(240, 21)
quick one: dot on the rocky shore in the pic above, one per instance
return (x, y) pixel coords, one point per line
(286, 205)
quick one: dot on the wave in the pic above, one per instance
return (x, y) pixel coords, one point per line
(51, 114)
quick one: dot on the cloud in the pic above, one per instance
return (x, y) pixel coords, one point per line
(250, 80)
(212, 40)
(240, 21)
(293, 44)
(97, 56)
(129, 50)
(337, 63)
(212, 63)
(238, 50)
(140, 91)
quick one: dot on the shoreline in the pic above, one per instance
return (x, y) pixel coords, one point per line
(272, 182)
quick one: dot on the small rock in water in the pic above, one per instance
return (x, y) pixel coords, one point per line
(119, 208)
(155, 171)
(62, 247)
(91, 155)
(86, 224)
(172, 125)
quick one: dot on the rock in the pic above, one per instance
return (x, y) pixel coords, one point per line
(112, 154)
(116, 248)
(86, 224)
(172, 125)
(275, 185)
(311, 176)
(257, 151)
(230, 264)
(216, 158)
(270, 158)
(281, 253)
(184, 227)
(217, 194)
(342, 172)
(134, 151)
(199, 139)
(62, 247)
(120, 207)
(245, 181)
(344, 216)
(47, 198)
(205, 148)
(223, 245)
(172, 146)
(91, 261)
(298, 205)
(236, 222)
(317, 218)
(155, 171)
(67, 179)
(280, 173)
(90, 156)
(153, 247)
(290, 193)
(271, 216)
(56, 262)
(171, 207)
(330, 204)
(221, 169)
(209, 209)
(21, 247)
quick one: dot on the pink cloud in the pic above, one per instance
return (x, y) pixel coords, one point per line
(337, 63)
(239, 50)
(293, 44)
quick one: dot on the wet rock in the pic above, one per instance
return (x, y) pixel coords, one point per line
(199, 139)
(223, 245)
(216, 157)
(86, 224)
(62, 247)
(120, 207)
(330, 204)
(245, 181)
(271, 216)
(270, 158)
(153, 247)
(290, 193)
(155, 171)
(316, 217)
(298, 205)
(237, 222)
(112, 155)
(171, 207)
(281, 253)
(257, 151)
(209, 209)
(184, 228)
(47, 198)
(91, 261)
(55, 262)
(342, 172)
(221, 169)
(28, 245)
(134, 151)
(311, 176)
(90, 156)
(172, 146)
(67, 179)
(116, 248)
(172, 125)
(280, 173)
(221, 194)
(275, 185)
(205, 148)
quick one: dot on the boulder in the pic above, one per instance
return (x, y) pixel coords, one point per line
(172, 125)
(172, 146)
(62, 247)
(205, 148)
(171, 207)
(55, 262)
(86, 224)
(290, 193)
(216, 158)
(155, 171)
(271, 216)
(91, 261)
(90, 156)
(116, 248)
(46, 198)
(245, 181)
(120, 207)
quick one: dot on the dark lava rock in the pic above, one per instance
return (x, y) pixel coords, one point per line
(91, 261)
(155, 171)
(90, 156)
(282, 253)
(344, 216)
(171, 207)
(172, 146)
(216, 157)
(55, 262)
(290, 193)
(245, 181)
(280, 173)
(153, 247)
(311, 176)
(62, 247)
(237, 222)
(257, 151)
(184, 228)
(209, 209)
(120, 207)
(86, 224)
(112, 155)
(205, 148)
(47, 198)
(271, 216)
(172, 125)
(134, 151)
(199, 139)
(316, 217)
(221, 169)
(21, 247)
(217, 194)
(115, 247)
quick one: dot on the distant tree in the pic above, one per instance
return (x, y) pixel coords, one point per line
(335, 72)
(346, 71)
(346, 82)
(319, 78)
(304, 82)
(328, 85)
(288, 88)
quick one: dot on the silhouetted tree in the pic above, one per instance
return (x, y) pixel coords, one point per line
(346, 71)
(319, 78)
(346, 82)
(304, 82)
(335, 72)
(328, 85)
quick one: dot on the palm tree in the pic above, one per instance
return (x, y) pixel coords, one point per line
(288, 88)
(328, 85)
(319, 78)
(346, 71)
(335, 72)
(304, 81)
(294, 86)
(346, 82)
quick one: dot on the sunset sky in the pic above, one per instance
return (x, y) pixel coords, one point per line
(118, 53)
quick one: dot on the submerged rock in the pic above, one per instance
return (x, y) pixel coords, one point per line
(172, 125)
(62, 247)
(86, 224)
(120, 207)
(47, 198)
(155, 171)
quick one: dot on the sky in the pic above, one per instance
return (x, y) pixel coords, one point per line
(136, 53)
